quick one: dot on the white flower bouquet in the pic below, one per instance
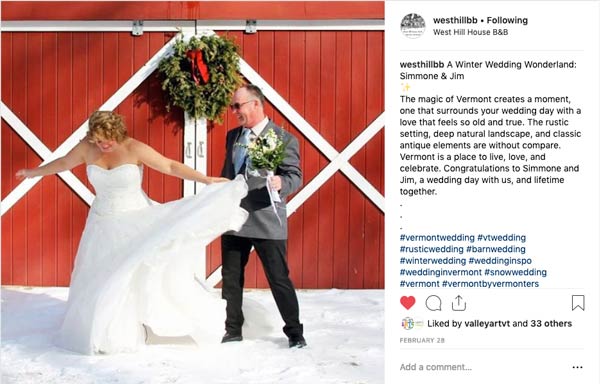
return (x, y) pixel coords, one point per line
(265, 154)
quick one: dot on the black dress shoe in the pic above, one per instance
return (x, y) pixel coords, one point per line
(297, 342)
(228, 337)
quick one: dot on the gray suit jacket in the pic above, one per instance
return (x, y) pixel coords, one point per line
(262, 222)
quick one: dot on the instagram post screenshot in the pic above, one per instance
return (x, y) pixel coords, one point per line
(492, 191)
(300, 191)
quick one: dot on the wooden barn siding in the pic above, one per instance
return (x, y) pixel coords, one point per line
(52, 82)
(333, 79)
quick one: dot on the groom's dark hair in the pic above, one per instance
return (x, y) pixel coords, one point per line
(256, 92)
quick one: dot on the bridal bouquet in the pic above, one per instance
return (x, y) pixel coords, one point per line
(266, 153)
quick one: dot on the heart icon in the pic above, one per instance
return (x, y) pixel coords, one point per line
(407, 301)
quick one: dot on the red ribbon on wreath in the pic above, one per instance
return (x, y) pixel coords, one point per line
(199, 68)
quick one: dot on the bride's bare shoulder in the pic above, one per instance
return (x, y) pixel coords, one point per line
(134, 145)
(85, 145)
(135, 142)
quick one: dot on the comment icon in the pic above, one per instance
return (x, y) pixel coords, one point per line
(433, 303)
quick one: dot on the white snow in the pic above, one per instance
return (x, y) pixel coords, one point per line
(343, 329)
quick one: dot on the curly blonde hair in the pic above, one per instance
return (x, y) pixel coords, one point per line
(106, 125)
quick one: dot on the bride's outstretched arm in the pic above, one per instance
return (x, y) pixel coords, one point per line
(69, 161)
(155, 160)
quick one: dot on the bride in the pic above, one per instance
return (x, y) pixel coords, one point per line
(134, 269)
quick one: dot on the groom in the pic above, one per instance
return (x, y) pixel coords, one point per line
(264, 230)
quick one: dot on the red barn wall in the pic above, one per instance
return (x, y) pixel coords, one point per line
(52, 81)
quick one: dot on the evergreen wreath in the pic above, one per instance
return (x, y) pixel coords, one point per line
(201, 75)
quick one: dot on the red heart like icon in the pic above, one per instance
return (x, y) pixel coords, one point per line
(407, 301)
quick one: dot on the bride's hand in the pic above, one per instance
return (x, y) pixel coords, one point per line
(22, 174)
(217, 180)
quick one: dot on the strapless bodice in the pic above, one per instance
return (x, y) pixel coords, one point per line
(118, 189)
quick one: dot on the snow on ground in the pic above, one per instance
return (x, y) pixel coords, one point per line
(343, 328)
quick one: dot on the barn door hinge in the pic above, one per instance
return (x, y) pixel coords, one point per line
(138, 28)
(250, 26)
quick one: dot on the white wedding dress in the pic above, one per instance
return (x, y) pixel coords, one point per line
(136, 264)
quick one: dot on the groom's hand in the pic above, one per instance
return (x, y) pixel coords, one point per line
(275, 183)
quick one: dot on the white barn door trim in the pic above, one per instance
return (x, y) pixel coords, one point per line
(32, 140)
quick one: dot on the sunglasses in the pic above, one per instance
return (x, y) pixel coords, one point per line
(237, 106)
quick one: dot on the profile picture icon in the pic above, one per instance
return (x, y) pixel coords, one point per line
(412, 26)
(408, 323)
